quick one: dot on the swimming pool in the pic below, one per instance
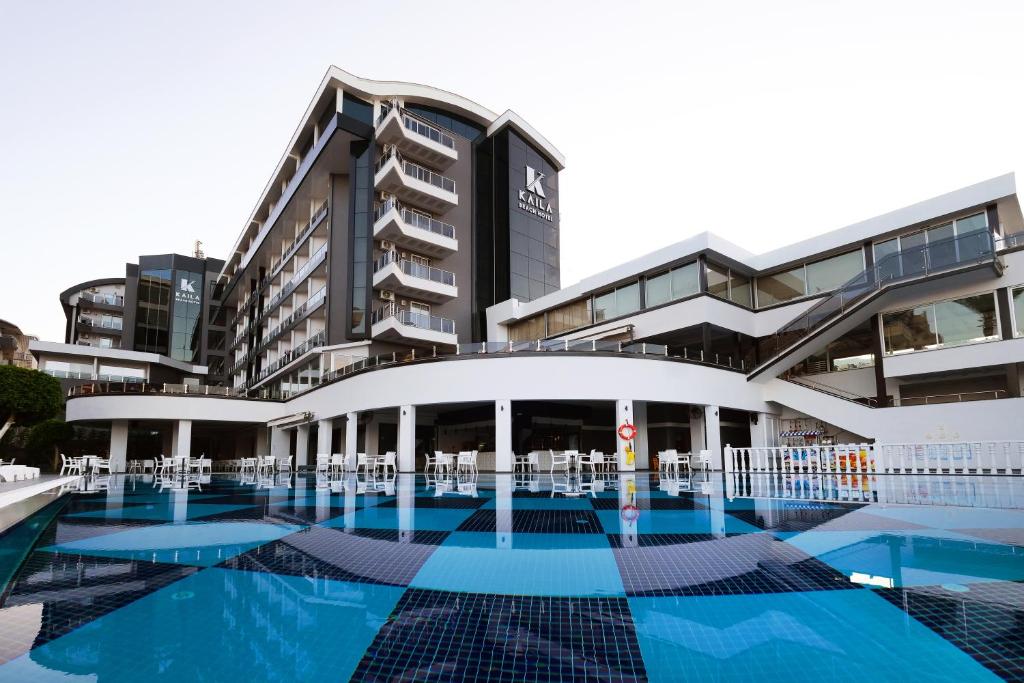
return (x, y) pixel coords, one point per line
(521, 577)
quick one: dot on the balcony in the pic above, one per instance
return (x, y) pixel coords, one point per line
(413, 183)
(413, 280)
(100, 301)
(407, 228)
(95, 326)
(391, 323)
(416, 139)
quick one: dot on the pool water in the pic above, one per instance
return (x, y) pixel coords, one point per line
(520, 578)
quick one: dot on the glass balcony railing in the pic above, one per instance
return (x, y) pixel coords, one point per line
(417, 319)
(416, 171)
(419, 270)
(909, 264)
(115, 324)
(418, 126)
(415, 219)
(99, 298)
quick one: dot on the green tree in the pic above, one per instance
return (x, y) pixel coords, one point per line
(45, 441)
(27, 397)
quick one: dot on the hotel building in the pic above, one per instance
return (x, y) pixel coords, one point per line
(397, 287)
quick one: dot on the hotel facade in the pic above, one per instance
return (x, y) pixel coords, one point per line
(397, 288)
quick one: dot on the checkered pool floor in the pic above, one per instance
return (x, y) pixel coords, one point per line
(525, 578)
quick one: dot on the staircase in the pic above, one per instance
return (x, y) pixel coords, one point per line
(836, 314)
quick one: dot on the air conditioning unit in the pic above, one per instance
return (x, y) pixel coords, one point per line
(385, 245)
(386, 295)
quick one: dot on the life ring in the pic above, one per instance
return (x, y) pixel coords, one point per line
(627, 431)
(630, 513)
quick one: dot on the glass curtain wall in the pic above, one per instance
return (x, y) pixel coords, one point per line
(153, 311)
(969, 320)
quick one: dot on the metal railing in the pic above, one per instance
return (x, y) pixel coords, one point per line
(951, 398)
(317, 340)
(906, 265)
(296, 315)
(445, 277)
(115, 324)
(417, 319)
(1011, 241)
(301, 274)
(416, 171)
(103, 388)
(418, 126)
(109, 299)
(414, 219)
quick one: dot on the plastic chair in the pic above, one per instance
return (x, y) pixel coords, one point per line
(323, 462)
(390, 459)
(559, 459)
(705, 459)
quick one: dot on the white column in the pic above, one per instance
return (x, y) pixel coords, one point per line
(181, 438)
(406, 500)
(759, 436)
(640, 444)
(503, 505)
(301, 445)
(623, 414)
(118, 445)
(324, 432)
(627, 517)
(351, 435)
(370, 437)
(503, 435)
(696, 429)
(406, 439)
(279, 442)
(262, 440)
(713, 436)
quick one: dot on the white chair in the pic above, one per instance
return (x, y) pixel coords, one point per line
(101, 464)
(337, 463)
(364, 462)
(284, 464)
(533, 461)
(389, 459)
(431, 461)
(587, 459)
(247, 465)
(323, 463)
(601, 461)
(705, 459)
(444, 461)
(669, 460)
(148, 465)
(562, 459)
(69, 466)
(265, 464)
(466, 460)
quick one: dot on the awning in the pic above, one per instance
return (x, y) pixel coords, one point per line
(800, 432)
(291, 420)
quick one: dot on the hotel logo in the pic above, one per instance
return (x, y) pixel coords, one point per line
(532, 198)
(186, 292)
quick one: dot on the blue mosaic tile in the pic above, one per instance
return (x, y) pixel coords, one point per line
(436, 635)
(536, 521)
(428, 519)
(673, 522)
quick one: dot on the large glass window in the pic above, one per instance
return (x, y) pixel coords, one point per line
(967, 320)
(187, 308)
(728, 284)
(832, 273)
(780, 287)
(528, 329)
(152, 320)
(940, 245)
(851, 351)
(569, 317)
(1018, 310)
(671, 285)
(620, 301)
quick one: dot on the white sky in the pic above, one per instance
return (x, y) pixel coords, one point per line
(137, 127)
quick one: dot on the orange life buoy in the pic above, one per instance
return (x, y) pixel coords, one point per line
(627, 431)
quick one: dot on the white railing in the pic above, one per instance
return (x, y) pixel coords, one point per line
(979, 457)
(843, 458)
(907, 489)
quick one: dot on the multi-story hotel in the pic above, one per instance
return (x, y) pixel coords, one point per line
(397, 288)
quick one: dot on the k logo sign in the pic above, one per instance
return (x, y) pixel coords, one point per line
(532, 198)
(186, 292)
(187, 286)
(533, 178)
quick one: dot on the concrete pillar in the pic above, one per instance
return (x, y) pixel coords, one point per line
(406, 500)
(118, 445)
(503, 435)
(640, 444)
(623, 414)
(279, 442)
(406, 439)
(181, 438)
(324, 431)
(758, 430)
(351, 436)
(262, 440)
(503, 505)
(696, 429)
(370, 437)
(713, 436)
(301, 445)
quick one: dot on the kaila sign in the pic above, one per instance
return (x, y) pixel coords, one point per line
(186, 291)
(532, 198)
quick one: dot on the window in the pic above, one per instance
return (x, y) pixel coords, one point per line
(671, 285)
(832, 273)
(1018, 310)
(780, 287)
(969, 320)
(569, 317)
(940, 245)
(528, 329)
(851, 351)
(727, 284)
(618, 302)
